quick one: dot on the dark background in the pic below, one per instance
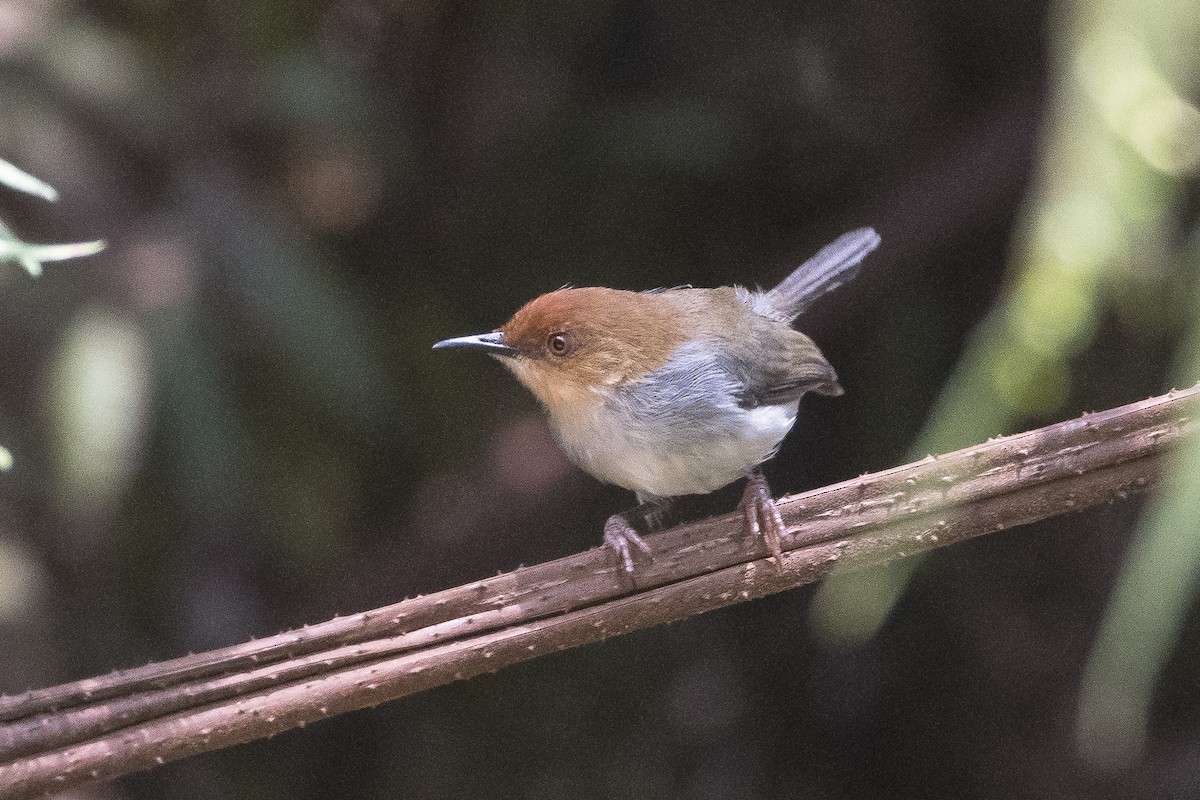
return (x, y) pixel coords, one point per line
(230, 422)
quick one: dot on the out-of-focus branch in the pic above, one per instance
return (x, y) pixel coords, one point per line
(108, 726)
(33, 256)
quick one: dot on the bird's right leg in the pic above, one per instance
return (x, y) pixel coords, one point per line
(762, 515)
(620, 531)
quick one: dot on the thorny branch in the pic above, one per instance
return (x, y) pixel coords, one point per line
(103, 727)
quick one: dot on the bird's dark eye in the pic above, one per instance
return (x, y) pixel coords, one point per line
(561, 343)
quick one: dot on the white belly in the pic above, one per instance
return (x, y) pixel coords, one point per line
(667, 458)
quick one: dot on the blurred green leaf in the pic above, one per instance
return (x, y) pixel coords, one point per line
(100, 389)
(1109, 192)
(15, 178)
(34, 256)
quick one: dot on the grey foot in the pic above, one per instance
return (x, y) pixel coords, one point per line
(619, 535)
(762, 515)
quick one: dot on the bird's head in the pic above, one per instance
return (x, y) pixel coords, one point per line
(573, 346)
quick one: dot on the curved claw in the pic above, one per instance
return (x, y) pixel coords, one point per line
(763, 517)
(619, 535)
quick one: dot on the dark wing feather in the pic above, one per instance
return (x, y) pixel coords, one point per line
(784, 365)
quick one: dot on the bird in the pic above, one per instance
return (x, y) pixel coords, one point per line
(673, 392)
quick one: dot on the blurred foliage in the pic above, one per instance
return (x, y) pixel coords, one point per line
(30, 256)
(229, 422)
(33, 257)
(1101, 233)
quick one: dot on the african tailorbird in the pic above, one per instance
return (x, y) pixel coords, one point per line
(678, 391)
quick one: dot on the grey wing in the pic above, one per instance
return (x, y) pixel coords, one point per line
(702, 382)
(695, 384)
(784, 372)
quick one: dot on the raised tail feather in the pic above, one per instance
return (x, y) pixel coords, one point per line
(836, 264)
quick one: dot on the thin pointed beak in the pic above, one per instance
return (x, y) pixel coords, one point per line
(493, 342)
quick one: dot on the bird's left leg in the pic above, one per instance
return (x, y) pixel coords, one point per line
(762, 515)
(620, 531)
